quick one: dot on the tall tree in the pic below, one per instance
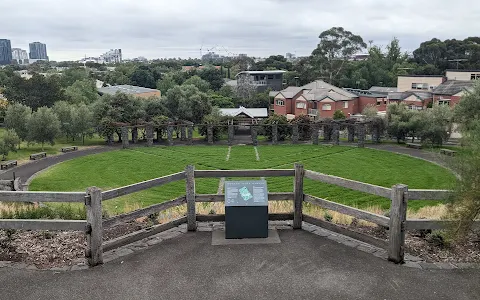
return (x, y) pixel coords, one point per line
(82, 91)
(63, 110)
(335, 48)
(16, 118)
(198, 82)
(43, 126)
(8, 142)
(82, 121)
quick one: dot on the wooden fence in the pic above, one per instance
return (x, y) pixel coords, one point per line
(397, 223)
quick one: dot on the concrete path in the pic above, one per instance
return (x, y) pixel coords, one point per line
(28, 169)
(302, 266)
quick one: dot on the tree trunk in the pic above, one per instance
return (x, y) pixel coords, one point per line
(42, 145)
(83, 139)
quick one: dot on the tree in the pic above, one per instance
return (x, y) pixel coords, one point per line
(165, 84)
(82, 121)
(398, 118)
(214, 118)
(304, 126)
(16, 118)
(437, 123)
(335, 48)
(246, 89)
(467, 111)
(213, 76)
(34, 92)
(8, 142)
(143, 77)
(199, 83)
(154, 107)
(63, 110)
(82, 91)
(339, 115)
(43, 126)
(369, 111)
(283, 129)
(221, 101)
(188, 103)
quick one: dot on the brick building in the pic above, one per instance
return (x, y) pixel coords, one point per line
(450, 92)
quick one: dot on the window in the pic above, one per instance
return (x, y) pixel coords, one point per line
(345, 104)
(270, 76)
(419, 86)
(280, 102)
(326, 107)
(302, 105)
(474, 76)
(442, 101)
(379, 102)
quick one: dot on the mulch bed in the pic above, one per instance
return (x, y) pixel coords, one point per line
(49, 249)
(431, 246)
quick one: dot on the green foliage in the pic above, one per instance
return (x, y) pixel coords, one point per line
(328, 216)
(304, 127)
(283, 128)
(188, 103)
(82, 91)
(35, 92)
(221, 101)
(9, 142)
(63, 110)
(214, 118)
(369, 111)
(339, 115)
(435, 124)
(154, 107)
(43, 126)
(274, 62)
(199, 83)
(166, 84)
(213, 76)
(398, 118)
(467, 111)
(81, 122)
(17, 117)
(143, 77)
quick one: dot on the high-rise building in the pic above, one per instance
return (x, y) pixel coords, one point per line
(20, 56)
(38, 51)
(5, 52)
(112, 56)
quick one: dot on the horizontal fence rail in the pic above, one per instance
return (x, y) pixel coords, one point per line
(349, 184)
(424, 224)
(43, 224)
(131, 216)
(428, 194)
(137, 187)
(221, 217)
(244, 173)
(8, 196)
(347, 210)
(221, 197)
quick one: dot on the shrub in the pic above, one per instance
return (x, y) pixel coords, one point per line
(339, 115)
(328, 217)
(304, 127)
(283, 129)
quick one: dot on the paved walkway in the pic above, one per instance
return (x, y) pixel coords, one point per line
(302, 266)
(30, 168)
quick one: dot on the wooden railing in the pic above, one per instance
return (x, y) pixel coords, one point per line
(93, 226)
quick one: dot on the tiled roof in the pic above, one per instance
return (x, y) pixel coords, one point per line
(452, 87)
(404, 95)
(383, 89)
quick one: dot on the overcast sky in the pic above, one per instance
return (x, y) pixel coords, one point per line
(178, 28)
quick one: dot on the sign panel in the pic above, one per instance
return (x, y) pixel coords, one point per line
(246, 193)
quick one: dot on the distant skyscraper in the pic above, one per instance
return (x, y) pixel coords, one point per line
(20, 56)
(112, 56)
(38, 51)
(5, 52)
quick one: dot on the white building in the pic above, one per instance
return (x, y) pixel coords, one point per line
(112, 56)
(20, 56)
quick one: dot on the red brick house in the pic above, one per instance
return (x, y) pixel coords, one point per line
(413, 99)
(450, 92)
(317, 100)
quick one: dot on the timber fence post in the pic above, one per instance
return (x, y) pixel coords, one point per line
(398, 216)
(94, 228)
(190, 196)
(190, 134)
(298, 196)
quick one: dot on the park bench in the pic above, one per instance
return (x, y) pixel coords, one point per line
(448, 152)
(69, 149)
(39, 155)
(7, 164)
(413, 145)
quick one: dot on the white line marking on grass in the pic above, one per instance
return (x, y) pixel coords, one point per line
(256, 153)
(228, 153)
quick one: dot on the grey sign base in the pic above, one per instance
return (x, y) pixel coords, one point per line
(218, 238)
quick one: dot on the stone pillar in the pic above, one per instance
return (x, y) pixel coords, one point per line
(253, 129)
(275, 134)
(170, 135)
(210, 134)
(336, 134)
(327, 132)
(183, 133)
(149, 133)
(375, 134)
(295, 134)
(231, 134)
(351, 133)
(134, 135)
(315, 134)
(361, 135)
(190, 135)
(125, 137)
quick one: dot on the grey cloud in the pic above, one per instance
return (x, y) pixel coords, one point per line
(165, 28)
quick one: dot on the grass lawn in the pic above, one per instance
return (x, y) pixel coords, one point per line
(122, 167)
